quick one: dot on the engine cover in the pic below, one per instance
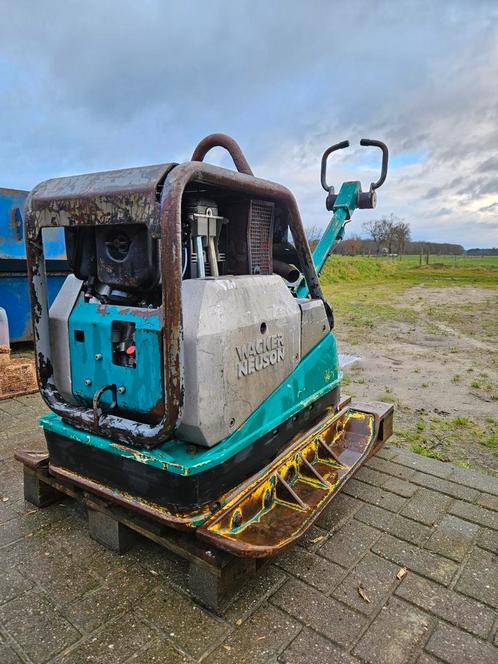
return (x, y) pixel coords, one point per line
(242, 338)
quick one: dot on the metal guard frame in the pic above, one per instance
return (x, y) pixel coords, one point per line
(152, 196)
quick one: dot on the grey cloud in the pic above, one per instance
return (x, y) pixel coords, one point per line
(479, 187)
(93, 85)
(489, 208)
(490, 165)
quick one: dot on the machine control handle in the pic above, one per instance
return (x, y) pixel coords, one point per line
(323, 169)
(366, 142)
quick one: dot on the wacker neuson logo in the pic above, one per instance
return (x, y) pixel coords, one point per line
(259, 354)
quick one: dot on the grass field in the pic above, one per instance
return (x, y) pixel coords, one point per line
(406, 269)
(428, 339)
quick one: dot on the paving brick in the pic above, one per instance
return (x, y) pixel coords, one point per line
(7, 655)
(374, 496)
(427, 659)
(309, 646)
(12, 530)
(160, 651)
(488, 539)
(401, 487)
(394, 637)
(30, 522)
(423, 464)
(483, 517)
(190, 628)
(266, 582)
(260, 638)
(324, 614)
(423, 562)
(371, 476)
(475, 480)
(394, 524)
(457, 647)
(445, 486)
(387, 452)
(119, 593)
(34, 622)
(478, 578)
(341, 509)
(12, 584)
(375, 576)
(350, 543)
(390, 468)
(452, 538)
(114, 643)
(315, 570)
(447, 604)
(426, 506)
(62, 580)
(313, 538)
(488, 501)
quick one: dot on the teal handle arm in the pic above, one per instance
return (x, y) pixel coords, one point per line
(344, 206)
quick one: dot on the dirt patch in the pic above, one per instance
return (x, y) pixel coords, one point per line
(420, 296)
(438, 373)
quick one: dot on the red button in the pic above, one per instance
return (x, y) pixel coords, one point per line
(130, 350)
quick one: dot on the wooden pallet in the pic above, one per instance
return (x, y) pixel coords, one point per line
(214, 577)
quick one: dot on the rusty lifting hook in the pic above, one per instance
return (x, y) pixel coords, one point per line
(230, 145)
(366, 199)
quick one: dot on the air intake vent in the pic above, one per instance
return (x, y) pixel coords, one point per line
(260, 237)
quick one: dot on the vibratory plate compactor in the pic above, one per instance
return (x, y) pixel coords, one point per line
(189, 358)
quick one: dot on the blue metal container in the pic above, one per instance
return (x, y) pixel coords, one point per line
(14, 295)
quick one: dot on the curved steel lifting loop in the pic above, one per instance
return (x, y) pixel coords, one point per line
(325, 156)
(366, 142)
(97, 411)
(230, 145)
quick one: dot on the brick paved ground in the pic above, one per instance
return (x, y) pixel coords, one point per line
(65, 598)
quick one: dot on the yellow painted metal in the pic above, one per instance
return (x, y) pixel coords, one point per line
(277, 506)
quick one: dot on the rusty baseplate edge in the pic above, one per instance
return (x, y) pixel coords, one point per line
(292, 516)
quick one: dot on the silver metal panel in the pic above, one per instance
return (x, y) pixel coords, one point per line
(314, 324)
(59, 334)
(242, 338)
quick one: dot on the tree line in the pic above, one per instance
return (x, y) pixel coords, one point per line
(386, 236)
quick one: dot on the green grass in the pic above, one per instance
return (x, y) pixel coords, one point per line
(461, 421)
(446, 438)
(366, 291)
(479, 270)
(420, 448)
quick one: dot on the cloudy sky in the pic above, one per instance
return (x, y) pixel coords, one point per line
(100, 84)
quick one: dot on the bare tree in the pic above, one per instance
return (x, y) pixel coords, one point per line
(377, 230)
(401, 235)
(388, 233)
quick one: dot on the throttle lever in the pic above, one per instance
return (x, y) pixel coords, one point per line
(368, 199)
(331, 195)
